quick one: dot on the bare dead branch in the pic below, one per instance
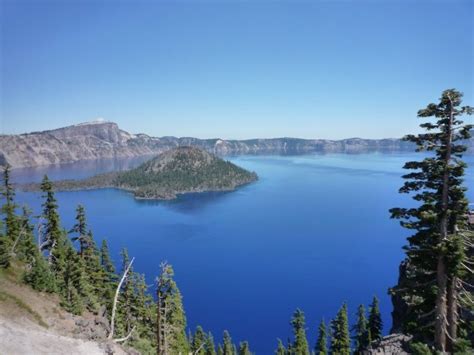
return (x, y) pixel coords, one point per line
(117, 292)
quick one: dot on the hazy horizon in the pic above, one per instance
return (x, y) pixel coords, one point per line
(235, 70)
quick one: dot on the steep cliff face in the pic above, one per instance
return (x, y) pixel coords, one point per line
(97, 140)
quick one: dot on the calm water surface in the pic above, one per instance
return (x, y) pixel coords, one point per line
(312, 233)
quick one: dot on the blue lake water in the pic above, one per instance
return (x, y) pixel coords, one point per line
(312, 233)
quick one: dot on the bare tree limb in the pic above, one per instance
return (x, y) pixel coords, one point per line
(199, 349)
(121, 340)
(117, 292)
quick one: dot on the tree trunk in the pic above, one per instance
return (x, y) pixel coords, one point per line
(441, 319)
(453, 313)
(441, 309)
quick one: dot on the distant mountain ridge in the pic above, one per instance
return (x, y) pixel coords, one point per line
(102, 139)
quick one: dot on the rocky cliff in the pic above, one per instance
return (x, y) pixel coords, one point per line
(98, 140)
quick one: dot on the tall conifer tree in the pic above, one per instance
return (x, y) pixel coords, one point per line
(228, 346)
(171, 320)
(436, 257)
(9, 207)
(300, 343)
(280, 350)
(375, 324)
(244, 348)
(340, 339)
(210, 348)
(198, 341)
(321, 344)
(81, 231)
(361, 329)
(53, 240)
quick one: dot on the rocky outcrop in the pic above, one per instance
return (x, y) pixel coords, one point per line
(393, 344)
(100, 139)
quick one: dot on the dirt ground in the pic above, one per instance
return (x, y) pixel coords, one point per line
(33, 323)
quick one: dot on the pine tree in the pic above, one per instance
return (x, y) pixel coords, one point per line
(125, 320)
(11, 220)
(300, 343)
(74, 287)
(435, 253)
(280, 350)
(375, 324)
(198, 341)
(220, 350)
(37, 274)
(97, 278)
(4, 252)
(244, 348)
(171, 320)
(53, 239)
(321, 344)
(340, 339)
(110, 277)
(228, 348)
(362, 334)
(81, 230)
(25, 242)
(106, 261)
(143, 313)
(210, 348)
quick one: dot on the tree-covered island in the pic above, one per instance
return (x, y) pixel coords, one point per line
(177, 171)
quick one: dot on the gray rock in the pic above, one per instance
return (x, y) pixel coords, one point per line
(99, 140)
(393, 344)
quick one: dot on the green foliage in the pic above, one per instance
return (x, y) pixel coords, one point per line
(340, 339)
(74, 288)
(12, 228)
(321, 344)
(52, 235)
(418, 348)
(183, 170)
(300, 343)
(228, 347)
(435, 254)
(172, 324)
(198, 341)
(463, 347)
(210, 348)
(4, 252)
(362, 333)
(375, 320)
(244, 348)
(81, 231)
(11, 222)
(110, 278)
(38, 274)
(280, 350)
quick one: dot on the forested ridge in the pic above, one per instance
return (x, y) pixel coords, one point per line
(434, 298)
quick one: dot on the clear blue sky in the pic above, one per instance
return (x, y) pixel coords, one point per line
(233, 69)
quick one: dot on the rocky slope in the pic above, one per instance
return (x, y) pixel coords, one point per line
(34, 323)
(97, 140)
(176, 171)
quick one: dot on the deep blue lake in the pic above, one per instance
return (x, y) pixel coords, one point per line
(312, 233)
